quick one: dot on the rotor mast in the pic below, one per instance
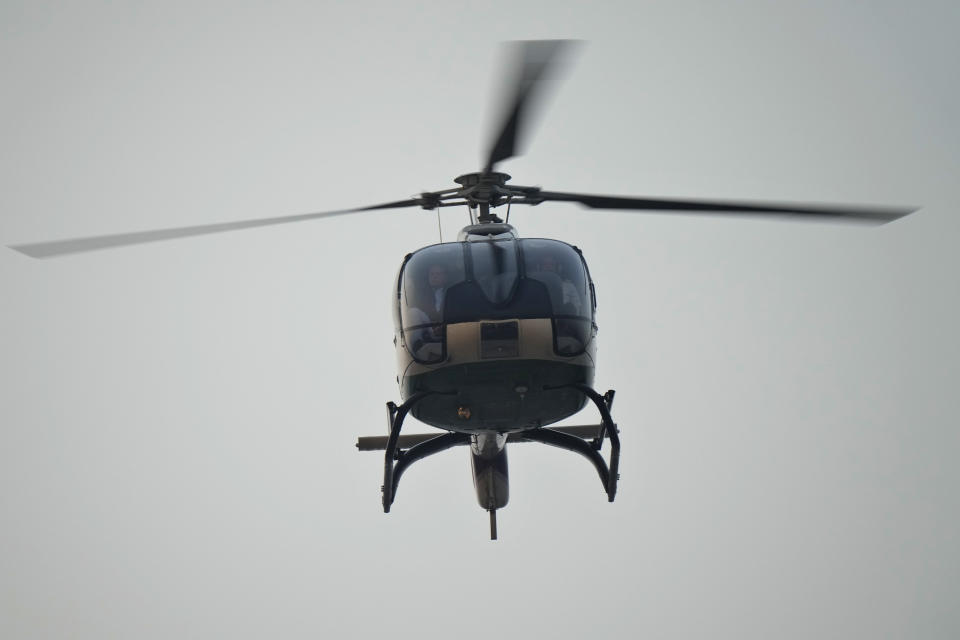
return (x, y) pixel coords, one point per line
(484, 191)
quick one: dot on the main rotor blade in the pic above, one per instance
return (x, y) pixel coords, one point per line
(534, 60)
(852, 213)
(93, 243)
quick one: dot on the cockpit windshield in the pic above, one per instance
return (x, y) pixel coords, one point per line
(494, 266)
(427, 277)
(558, 267)
(491, 280)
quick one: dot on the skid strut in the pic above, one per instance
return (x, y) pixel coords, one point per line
(585, 440)
(608, 474)
(396, 460)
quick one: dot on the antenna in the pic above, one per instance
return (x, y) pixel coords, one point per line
(493, 524)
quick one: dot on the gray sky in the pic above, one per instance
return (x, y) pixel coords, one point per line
(177, 420)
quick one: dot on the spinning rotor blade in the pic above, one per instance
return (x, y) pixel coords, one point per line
(534, 60)
(875, 215)
(93, 243)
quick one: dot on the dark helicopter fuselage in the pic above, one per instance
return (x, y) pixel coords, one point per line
(494, 335)
(494, 328)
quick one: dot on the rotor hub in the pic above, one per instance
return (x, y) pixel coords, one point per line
(478, 179)
(482, 188)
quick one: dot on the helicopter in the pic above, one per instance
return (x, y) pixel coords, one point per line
(496, 335)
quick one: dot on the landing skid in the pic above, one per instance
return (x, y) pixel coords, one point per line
(584, 440)
(397, 460)
(557, 437)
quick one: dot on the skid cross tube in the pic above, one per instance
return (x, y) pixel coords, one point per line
(575, 444)
(608, 475)
(421, 451)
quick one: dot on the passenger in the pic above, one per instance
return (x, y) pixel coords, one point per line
(569, 296)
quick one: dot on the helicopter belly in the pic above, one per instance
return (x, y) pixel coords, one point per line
(501, 376)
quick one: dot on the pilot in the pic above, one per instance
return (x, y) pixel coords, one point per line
(428, 308)
(428, 315)
(437, 278)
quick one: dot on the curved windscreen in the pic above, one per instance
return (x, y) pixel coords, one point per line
(495, 268)
(427, 277)
(494, 280)
(559, 267)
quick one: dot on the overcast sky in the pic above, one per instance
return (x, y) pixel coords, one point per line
(177, 419)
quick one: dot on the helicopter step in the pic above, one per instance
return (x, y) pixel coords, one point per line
(489, 450)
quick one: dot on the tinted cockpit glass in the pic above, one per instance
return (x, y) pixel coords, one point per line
(427, 276)
(558, 267)
(494, 280)
(495, 268)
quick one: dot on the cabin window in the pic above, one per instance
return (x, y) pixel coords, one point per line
(494, 280)
(426, 343)
(427, 277)
(571, 335)
(560, 269)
